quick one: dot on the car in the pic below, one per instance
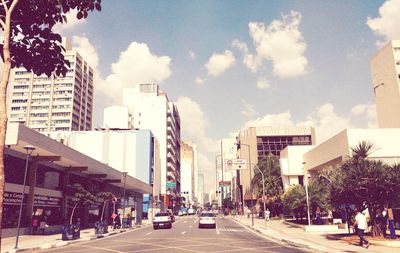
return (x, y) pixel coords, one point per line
(191, 211)
(215, 212)
(162, 219)
(207, 219)
(180, 213)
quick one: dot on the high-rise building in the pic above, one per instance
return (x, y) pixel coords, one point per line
(54, 103)
(150, 108)
(187, 172)
(257, 143)
(385, 72)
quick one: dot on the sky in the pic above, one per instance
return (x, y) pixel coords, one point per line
(234, 64)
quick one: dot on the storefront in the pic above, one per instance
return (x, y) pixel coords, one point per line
(52, 167)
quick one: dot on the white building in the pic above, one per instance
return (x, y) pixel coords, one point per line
(53, 103)
(336, 150)
(385, 71)
(151, 109)
(187, 173)
(201, 195)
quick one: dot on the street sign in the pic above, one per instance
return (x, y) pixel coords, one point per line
(171, 184)
(235, 164)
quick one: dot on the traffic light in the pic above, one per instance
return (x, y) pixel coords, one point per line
(217, 191)
(238, 145)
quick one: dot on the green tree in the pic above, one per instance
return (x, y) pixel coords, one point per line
(104, 197)
(29, 42)
(80, 196)
(294, 201)
(273, 182)
(365, 184)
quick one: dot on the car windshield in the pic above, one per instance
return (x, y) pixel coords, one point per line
(206, 215)
(162, 214)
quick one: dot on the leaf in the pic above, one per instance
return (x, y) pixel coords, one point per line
(79, 15)
(97, 6)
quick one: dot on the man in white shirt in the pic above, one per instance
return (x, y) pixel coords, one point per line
(360, 225)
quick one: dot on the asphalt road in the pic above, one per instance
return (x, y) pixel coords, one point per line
(184, 237)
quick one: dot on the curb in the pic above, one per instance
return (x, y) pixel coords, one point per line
(65, 243)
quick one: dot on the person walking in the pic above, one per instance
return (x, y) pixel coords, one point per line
(330, 217)
(248, 212)
(267, 214)
(360, 224)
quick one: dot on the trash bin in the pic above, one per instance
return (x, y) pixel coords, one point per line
(100, 227)
(71, 232)
(126, 222)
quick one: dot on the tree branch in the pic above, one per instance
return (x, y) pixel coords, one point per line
(5, 5)
(13, 4)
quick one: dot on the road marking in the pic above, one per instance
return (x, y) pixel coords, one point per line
(190, 226)
(196, 220)
(184, 232)
(149, 233)
(185, 221)
(217, 229)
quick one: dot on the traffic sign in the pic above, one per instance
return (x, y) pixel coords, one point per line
(235, 164)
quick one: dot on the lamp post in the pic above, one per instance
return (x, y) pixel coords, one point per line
(29, 150)
(251, 188)
(216, 176)
(123, 211)
(263, 179)
(306, 175)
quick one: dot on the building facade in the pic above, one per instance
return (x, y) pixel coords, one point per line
(187, 173)
(54, 103)
(257, 143)
(150, 108)
(385, 72)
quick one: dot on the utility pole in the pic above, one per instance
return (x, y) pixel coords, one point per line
(222, 175)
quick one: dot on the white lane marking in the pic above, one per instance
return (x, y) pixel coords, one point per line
(196, 220)
(185, 221)
(217, 229)
(184, 232)
(190, 226)
(149, 233)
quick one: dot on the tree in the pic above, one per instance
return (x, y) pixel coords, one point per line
(29, 42)
(80, 196)
(273, 182)
(104, 197)
(365, 184)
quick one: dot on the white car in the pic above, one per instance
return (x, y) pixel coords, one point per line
(207, 219)
(191, 211)
(162, 220)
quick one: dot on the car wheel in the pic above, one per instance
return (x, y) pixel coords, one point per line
(200, 226)
(154, 227)
(215, 226)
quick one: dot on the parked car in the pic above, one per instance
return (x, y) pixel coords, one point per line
(207, 219)
(191, 211)
(162, 219)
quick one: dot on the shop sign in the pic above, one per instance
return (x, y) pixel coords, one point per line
(14, 198)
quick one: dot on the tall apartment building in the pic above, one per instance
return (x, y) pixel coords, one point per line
(258, 142)
(150, 108)
(53, 103)
(189, 176)
(385, 72)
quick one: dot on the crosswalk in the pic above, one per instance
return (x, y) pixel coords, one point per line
(235, 230)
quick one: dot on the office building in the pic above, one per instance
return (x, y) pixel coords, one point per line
(187, 173)
(150, 108)
(53, 103)
(257, 143)
(385, 72)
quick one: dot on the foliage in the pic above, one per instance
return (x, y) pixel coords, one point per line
(104, 197)
(273, 182)
(80, 196)
(365, 183)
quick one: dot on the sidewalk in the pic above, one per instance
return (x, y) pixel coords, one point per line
(279, 231)
(35, 242)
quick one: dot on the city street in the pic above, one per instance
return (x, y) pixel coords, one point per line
(185, 236)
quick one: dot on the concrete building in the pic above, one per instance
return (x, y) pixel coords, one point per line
(228, 150)
(385, 72)
(187, 173)
(201, 194)
(257, 142)
(53, 167)
(53, 103)
(300, 161)
(150, 108)
(134, 152)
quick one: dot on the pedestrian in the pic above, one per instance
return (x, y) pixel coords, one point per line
(330, 217)
(267, 213)
(248, 212)
(360, 224)
(383, 222)
(35, 224)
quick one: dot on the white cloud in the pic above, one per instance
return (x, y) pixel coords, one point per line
(253, 62)
(72, 22)
(366, 111)
(199, 80)
(137, 64)
(281, 119)
(263, 83)
(219, 63)
(282, 43)
(248, 110)
(192, 55)
(387, 24)
(86, 49)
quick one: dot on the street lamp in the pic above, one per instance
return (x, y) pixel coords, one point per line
(216, 177)
(251, 188)
(123, 211)
(263, 179)
(306, 176)
(29, 149)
